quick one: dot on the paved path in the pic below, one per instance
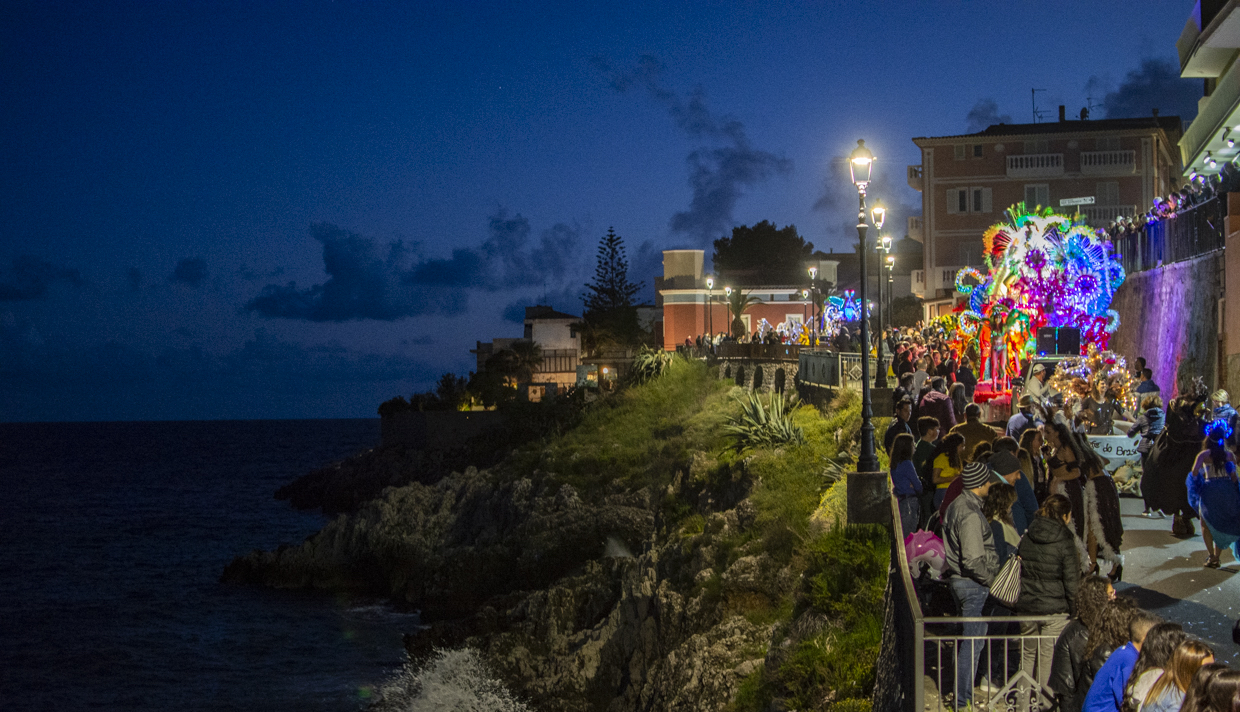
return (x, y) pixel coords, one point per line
(1166, 576)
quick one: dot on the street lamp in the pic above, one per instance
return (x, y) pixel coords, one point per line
(710, 309)
(891, 286)
(860, 169)
(728, 291)
(882, 245)
(813, 309)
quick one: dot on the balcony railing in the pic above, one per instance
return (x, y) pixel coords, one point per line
(824, 368)
(1194, 232)
(1035, 165)
(1108, 162)
(915, 178)
(1103, 215)
(559, 361)
(763, 352)
(916, 228)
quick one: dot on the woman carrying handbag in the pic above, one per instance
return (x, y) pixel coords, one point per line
(1050, 575)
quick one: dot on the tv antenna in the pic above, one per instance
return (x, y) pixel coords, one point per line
(1089, 103)
(1037, 114)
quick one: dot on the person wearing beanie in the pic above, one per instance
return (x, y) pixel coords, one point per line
(972, 564)
(1007, 465)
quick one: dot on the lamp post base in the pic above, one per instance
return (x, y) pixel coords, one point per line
(869, 495)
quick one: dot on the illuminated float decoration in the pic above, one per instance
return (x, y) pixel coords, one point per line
(1044, 269)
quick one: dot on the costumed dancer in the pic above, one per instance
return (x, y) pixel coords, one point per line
(1173, 453)
(1214, 492)
(1104, 526)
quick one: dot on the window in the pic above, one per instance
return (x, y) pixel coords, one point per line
(968, 200)
(1037, 194)
(1041, 146)
(1107, 193)
(977, 150)
(960, 148)
(1107, 144)
(529, 331)
(794, 318)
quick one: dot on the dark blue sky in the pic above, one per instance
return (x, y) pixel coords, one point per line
(163, 166)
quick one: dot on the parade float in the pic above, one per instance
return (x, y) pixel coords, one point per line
(1042, 270)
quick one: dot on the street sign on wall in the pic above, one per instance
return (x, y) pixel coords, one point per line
(1065, 202)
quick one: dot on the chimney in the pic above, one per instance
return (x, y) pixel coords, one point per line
(1062, 118)
(1156, 113)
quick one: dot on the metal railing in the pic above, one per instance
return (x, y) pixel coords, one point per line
(824, 368)
(1194, 232)
(921, 653)
(761, 352)
(1102, 215)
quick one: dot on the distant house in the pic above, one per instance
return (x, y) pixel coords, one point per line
(557, 335)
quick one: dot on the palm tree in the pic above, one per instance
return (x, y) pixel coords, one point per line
(529, 358)
(738, 302)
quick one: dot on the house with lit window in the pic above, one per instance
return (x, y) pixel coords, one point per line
(1107, 169)
(559, 339)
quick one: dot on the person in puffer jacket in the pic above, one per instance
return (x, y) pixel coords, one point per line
(1049, 577)
(1068, 663)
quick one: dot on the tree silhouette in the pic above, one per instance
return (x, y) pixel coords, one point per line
(610, 312)
(762, 254)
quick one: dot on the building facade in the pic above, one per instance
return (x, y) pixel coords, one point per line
(690, 308)
(556, 334)
(968, 181)
(1208, 48)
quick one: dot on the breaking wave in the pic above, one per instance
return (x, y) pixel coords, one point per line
(454, 680)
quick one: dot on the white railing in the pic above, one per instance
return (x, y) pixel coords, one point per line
(1108, 162)
(914, 178)
(1103, 215)
(1035, 165)
(916, 228)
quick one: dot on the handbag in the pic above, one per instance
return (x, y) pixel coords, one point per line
(1006, 586)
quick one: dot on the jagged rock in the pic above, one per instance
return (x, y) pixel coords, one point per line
(754, 574)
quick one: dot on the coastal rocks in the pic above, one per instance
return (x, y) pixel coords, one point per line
(344, 486)
(451, 546)
(649, 632)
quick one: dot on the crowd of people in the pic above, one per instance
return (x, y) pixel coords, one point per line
(1037, 489)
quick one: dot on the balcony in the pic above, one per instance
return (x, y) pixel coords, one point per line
(1103, 215)
(1035, 165)
(916, 228)
(914, 178)
(1108, 163)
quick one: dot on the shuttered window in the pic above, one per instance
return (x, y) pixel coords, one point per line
(1107, 193)
(960, 150)
(1037, 194)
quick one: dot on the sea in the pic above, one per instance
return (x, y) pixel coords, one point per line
(112, 540)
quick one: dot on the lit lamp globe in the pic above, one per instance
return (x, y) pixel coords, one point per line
(813, 273)
(886, 243)
(710, 282)
(860, 165)
(878, 214)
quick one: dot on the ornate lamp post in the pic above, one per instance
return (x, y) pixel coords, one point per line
(861, 167)
(891, 285)
(710, 308)
(813, 307)
(883, 245)
(728, 291)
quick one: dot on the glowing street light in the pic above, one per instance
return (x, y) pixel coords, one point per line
(861, 168)
(710, 308)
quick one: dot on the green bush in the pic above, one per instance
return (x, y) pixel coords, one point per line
(759, 425)
(752, 695)
(854, 704)
(650, 363)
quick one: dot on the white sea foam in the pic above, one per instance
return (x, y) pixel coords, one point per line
(455, 680)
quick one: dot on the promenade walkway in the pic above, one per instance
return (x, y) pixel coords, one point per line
(1165, 575)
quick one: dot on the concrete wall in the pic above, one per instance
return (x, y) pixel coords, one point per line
(1170, 316)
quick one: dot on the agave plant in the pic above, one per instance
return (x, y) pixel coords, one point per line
(759, 425)
(651, 363)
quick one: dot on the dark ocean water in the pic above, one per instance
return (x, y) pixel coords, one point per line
(112, 540)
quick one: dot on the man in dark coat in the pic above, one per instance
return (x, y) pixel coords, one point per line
(899, 424)
(1049, 578)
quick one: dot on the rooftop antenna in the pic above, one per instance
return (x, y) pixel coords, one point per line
(1037, 114)
(1089, 104)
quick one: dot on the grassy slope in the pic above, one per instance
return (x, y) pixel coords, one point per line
(650, 434)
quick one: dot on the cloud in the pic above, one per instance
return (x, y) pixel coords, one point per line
(29, 277)
(190, 271)
(719, 174)
(1156, 84)
(983, 114)
(369, 280)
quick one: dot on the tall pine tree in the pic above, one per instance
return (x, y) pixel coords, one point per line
(610, 311)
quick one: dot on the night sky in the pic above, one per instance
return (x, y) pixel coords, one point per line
(285, 210)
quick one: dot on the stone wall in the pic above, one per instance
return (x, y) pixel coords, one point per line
(1170, 316)
(769, 370)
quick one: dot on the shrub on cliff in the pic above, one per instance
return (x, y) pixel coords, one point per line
(759, 425)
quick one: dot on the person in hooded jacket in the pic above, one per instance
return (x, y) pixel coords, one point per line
(1049, 577)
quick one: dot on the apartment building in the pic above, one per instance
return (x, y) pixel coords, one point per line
(968, 181)
(1208, 48)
